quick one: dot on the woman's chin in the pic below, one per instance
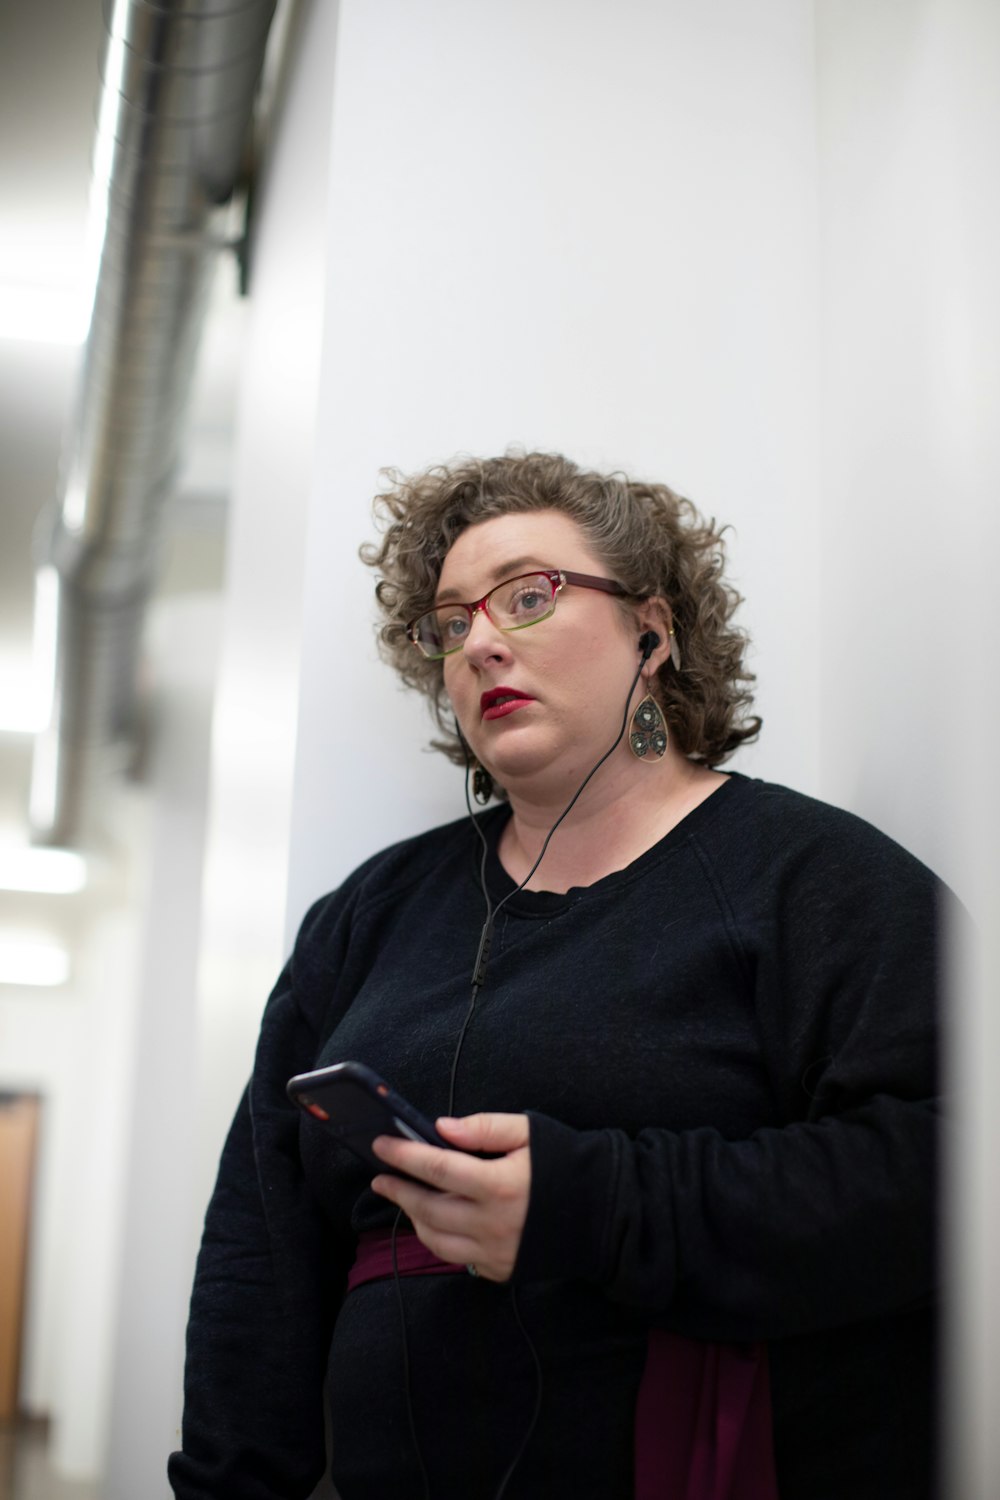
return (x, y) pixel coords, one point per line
(531, 776)
(508, 755)
(511, 771)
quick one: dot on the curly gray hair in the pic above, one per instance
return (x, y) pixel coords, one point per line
(653, 541)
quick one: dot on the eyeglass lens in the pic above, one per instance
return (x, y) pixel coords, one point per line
(512, 605)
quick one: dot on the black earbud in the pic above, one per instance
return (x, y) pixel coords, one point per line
(648, 642)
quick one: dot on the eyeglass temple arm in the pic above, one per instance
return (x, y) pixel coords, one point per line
(588, 581)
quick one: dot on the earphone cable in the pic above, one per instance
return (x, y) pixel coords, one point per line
(406, 1359)
(485, 939)
(479, 975)
(566, 810)
(478, 978)
(537, 1411)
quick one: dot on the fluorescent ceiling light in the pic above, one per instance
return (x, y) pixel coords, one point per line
(27, 687)
(57, 872)
(17, 714)
(23, 707)
(43, 315)
(32, 963)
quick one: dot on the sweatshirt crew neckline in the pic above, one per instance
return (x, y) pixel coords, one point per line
(550, 903)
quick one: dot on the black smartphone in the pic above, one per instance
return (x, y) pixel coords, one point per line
(356, 1105)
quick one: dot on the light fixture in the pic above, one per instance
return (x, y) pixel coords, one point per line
(19, 709)
(31, 962)
(43, 315)
(56, 872)
(27, 688)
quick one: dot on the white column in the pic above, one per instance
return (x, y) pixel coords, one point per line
(156, 1083)
(910, 120)
(220, 861)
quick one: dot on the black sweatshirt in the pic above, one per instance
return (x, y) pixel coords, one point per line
(727, 1051)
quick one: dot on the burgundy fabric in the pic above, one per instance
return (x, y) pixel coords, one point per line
(703, 1422)
(373, 1258)
(703, 1413)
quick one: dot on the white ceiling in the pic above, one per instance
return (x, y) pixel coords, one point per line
(49, 82)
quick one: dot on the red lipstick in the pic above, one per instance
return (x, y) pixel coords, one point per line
(500, 701)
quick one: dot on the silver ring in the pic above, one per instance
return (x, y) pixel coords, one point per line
(471, 1269)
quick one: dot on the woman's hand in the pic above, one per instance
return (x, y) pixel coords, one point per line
(472, 1212)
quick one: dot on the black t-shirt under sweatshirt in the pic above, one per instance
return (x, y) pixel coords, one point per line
(727, 1052)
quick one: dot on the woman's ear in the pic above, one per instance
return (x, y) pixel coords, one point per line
(675, 650)
(655, 614)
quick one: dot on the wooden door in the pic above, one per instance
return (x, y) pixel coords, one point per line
(18, 1132)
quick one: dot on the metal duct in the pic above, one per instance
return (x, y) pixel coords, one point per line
(179, 80)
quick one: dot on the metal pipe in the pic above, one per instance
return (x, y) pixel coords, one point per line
(179, 81)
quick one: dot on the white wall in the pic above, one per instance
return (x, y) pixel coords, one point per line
(74, 1047)
(254, 731)
(576, 227)
(44, 1037)
(907, 164)
(910, 121)
(137, 1418)
(111, 1056)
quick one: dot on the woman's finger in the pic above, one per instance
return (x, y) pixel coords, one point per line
(408, 1196)
(464, 1209)
(447, 1226)
(487, 1131)
(448, 1171)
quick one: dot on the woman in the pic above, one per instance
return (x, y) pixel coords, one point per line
(685, 1244)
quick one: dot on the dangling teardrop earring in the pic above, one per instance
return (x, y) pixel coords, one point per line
(648, 735)
(482, 786)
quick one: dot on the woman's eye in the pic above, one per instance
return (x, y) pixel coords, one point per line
(528, 599)
(455, 628)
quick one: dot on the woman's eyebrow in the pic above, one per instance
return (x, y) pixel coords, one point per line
(500, 572)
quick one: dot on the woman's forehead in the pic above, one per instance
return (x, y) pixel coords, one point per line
(504, 545)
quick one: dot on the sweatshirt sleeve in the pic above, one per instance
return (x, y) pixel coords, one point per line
(825, 1215)
(268, 1278)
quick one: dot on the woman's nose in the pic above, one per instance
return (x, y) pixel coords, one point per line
(485, 641)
